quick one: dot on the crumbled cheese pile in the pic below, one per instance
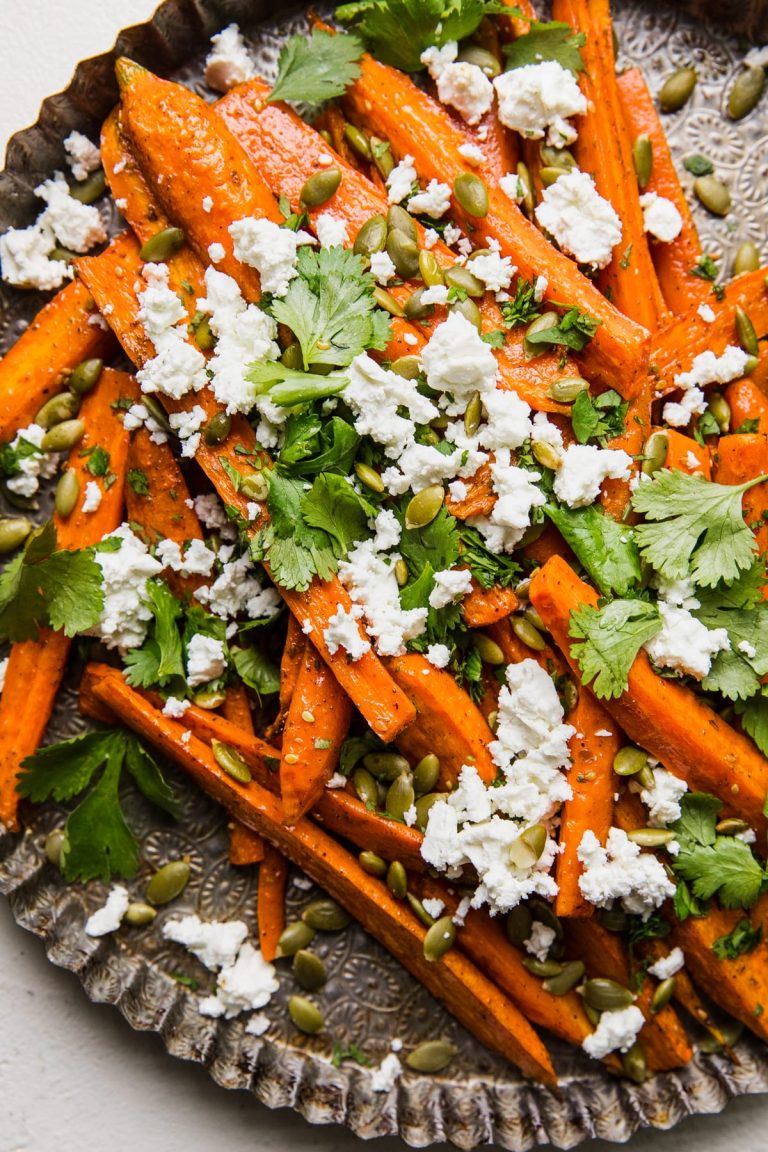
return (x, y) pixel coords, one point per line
(125, 615)
(229, 63)
(707, 368)
(108, 918)
(83, 156)
(270, 249)
(34, 466)
(669, 965)
(584, 224)
(460, 84)
(178, 367)
(661, 218)
(615, 1030)
(620, 871)
(538, 99)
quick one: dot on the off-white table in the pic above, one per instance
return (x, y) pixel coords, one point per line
(73, 1076)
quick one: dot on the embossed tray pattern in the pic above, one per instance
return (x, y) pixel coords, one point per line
(369, 998)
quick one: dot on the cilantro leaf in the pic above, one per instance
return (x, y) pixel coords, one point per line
(605, 548)
(692, 523)
(553, 41)
(159, 660)
(599, 418)
(574, 330)
(138, 481)
(149, 779)
(610, 639)
(256, 670)
(294, 551)
(686, 904)
(698, 817)
(10, 458)
(316, 69)
(705, 268)
(442, 623)
(698, 165)
(98, 461)
(333, 505)
(524, 307)
(488, 568)
(313, 445)
(740, 941)
(288, 388)
(726, 868)
(748, 626)
(754, 720)
(731, 676)
(436, 544)
(61, 771)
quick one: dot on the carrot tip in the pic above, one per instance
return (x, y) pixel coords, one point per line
(127, 71)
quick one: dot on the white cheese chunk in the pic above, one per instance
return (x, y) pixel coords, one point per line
(584, 224)
(215, 943)
(684, 645)
(93, 497)
(110, 917)
(538, 99)
(450, 585)
(620, 871)
(583, 470)
(83, 156)
(125, 614)
(401, 180)
(205, 660)
(384, 1078)
(382, 268)
(229, 63)
(663, 799)
(669, 965)
(174, 708)
(661, 218)
(244, 986)
(615, 1031)
(331, 232)
(462, 85)
(434, 202)
(343, 631)
(368, 574)
(270, 249)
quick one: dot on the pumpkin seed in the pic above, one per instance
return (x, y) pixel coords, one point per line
(525, 185)
(305, 1014)
(473, 414)
(732, 826)
(308, 970)
(423, 805)
(522, 589)
(63, 436)
(745, 91)
(157, 412)
(551, 174)
(472, 194)
(358, 141)
(397, 880)
(745, 330)
(548, 455)
(439, 939)
(168, 882)
(634, 1064)
(556, 157)
(569, 694)
(293, 938)
(542, 912)
(400, 796)
(209, 699)
(85, 375)
(663, 994)
(613, 919)
(571, 975)
(458, 277)
(230, 760)
(67, 493)
(387, 301)
(565, 390)
(13, 532)
(540, 324)
(89, 190)
(372, 864)
(255, 486)
(607, 995)
(160, 247)
(429, 269)
(414, 309)
(721, 410)
(217, 428)
(319, 188)
(369, 477)
(469, 311)
(66, 255)
(713, 194)
(729, 1035)
(382, 156)
(403, 251)
(365, 787)
(372, 237)
(642, 156)
(488, 650)
(677, 89)
(431, 1056)
(386, 765)
(401, 573)
(426, 773)
(63, 406)
(651, 837)
(409, 367)
(424, 506)
(526, 850)
(419, 910)
(518, 924)
(546, 969)
(527, 634)
(400, 220)
(138, 914)
(204, 337)
(750, 364)
(747, 258)
(327, 137)
(655, 453)
(54, 846)
(481, 58)
(646, 778)
(326, 916)
(629, 760)
(532, 615)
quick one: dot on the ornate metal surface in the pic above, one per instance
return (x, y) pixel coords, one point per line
(369, 999)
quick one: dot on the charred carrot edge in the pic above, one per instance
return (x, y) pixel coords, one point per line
(448, 723)
(287, 152)
(349, 818)
(317, 723)
(36, 667)
(513, 25)
(673, 261)
(270, 907)
(665, 718)
(484, 606)
(292, 661)
(741, 458)
(389, 103)
(747, 402)
(454, 981)
(604, 149)
(34, 369)
(686, 455)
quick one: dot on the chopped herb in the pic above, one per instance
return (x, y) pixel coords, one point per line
(524, 307)
(740, 941)
(351, 1052)
(256, 670)
(317, 68)
(10, 458)
(574, 330)
(609, 639)
(705, 268)
(553, 41)
(322, 745)
(698, 165)
(98, 461)
(123, 403)
(488, 568)
(496, 339)
(747, 427)
(185, 981)
(624, 262)
(138, 481)
(600, 418)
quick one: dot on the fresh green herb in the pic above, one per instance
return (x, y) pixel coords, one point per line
(731, 675)
(10, 458)
(714, 865)
(123, 403)
(185, 981)
(316, 69)
(350, 1052)
(288, 388)
(437, 544)
(256, 670)
(293, 221)
(605, 547)
(98, 461)
(575, 330)
(98, 842)
(705, 268)
(313, 445)
(467, 668)
(355, 747)
(159, 660)
(295, 551)
(740, 941)
(686, 904)
(692, 524)
(754, 720)
(706, 425)
(488, 568)
(333, 505)
(600, 418)
(524, 307)
(698, 165)
(138, 481)
(747, 428)
(496, 339)
(322, 745)
(609, 640)
(639, 930)
(233, 474)
(624, 262)
(553, 41)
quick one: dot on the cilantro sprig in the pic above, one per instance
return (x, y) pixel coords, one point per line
(574, 330)
(599, 418)
(609, 639)
(553, 41)
(740, 941)
(317, 69)
(605, 548)
(715, 865)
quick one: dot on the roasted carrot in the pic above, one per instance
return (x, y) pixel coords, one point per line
(614, 495)
(346, 816)
(237, 709)
(686, 455)
(484, 606)
(742, 458)
(270, 909)
(454, 981)
(667, 719)
(389, 103)
(673, 261)
(245, 845)
(36, 667)
(290, 665)
(480, 497)
(448, 724)
(65, 332)
(604, 149)
(315, 728)
(747, 402)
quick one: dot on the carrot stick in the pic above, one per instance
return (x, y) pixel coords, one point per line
(454, 981)
(747, 402)
(236, 708)
(291, 662)
(245, 846)
(347, 817)
(390, 104)
(614, 495)
(667, 719)
(448, 723)
(316, 725)
(741, 458)
(673, 261)
(36, 667)
(484, 606)
(604, 149)
(270, 908)
(57, 340)
(686, 455)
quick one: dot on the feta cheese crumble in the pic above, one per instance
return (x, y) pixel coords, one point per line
(434, 202)
(382, 268)
(540, 941)
(384, 1078)
(684, 645)
(581, 221)
(450, 585)
(343, 631)
(584, 468)
(174, 708)
(463, 86)
(187, 424)
(229, 63)
(661, 217)
(538, 99)
(110, 917)
(205, 660)
(244, 986)
(331, 232)
(368, 574)
(93, 497)
(707, 313)
(215, 943)
(669, 965)
(83, 156)
(663, 799)
(178, 367)
(270, 249)
(35, 466)
(620, 871)
(124, 574)
(197, 560)
(401, 180)
(615, 1030)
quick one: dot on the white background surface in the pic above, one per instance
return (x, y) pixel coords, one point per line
(73, 1076)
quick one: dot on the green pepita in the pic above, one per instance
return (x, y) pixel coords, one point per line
(400, 220)
(526, 850)
(663, 994)
(613, 919)
(565, 390)
(569, 694)
(383, 159)
(293, 357)
(138, 914)
(526, 188)
(606, 995)
(217, 428)
(439, 939)
(54, 846)
(204, 337)
(729, 1035)
(642, 156)
(629, 760)
(518, 924)
(713, 194)
(168, 882)
(745, 330)
(372, 864)
(419, 910)
(369, 477)
(386, 765)
(425, 774)
(403, 251)
(527, 634)
(677, 90)
(540, 324)
(293, 938)
(488, 650)
(548, 455)
(655, 453)
(401, 573)
(731, 826)
(544, 914)
(67, 493)
(634, 1064)
(721, 410)
(414, 309)
(646, 778)
(545, 969)
(409, 367)
(326, 915)
(423, 805)
(63, 406)
(551, 174)
(747, 258)
(309, 970)
(305, 1014)
(424, 506)
(372, 237)
(160, 247)
(387, 301)
(472, 194)
(750, 364)
(209, 699)
(571, 975)
(481, 58)
(63, 436)
(358, 141)
(365, 787)
(431, 1056)
(13, 532)
(397, 880)
(556, 157)
(400, 796)
(89, 190)
(469, 311)
(319, 188)
(473, 414)
(462, 278)
(157, 412)
(745, 91)
(429, 269)
(651, 837)
(86, 375)
(231, 762)
(255, 486)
